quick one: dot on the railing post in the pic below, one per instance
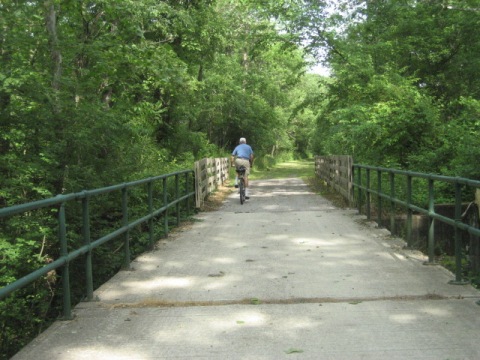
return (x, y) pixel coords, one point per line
(177, 195)
(458, 245)
(86, 241)
(150, 211)
(165, 202)
(409, 211)
(379, 199)
(62, 234)
(198, 190)
(359, 181)
(392, 203)
(431, 221)
(350, 180)
(187, 201)
(126, 260)
(368, 195)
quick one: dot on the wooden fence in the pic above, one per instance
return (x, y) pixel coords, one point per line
(336, 171)
(209, 174)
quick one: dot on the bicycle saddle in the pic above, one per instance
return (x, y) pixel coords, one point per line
(241, 169)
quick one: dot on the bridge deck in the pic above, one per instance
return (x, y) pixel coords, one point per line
(286, 275)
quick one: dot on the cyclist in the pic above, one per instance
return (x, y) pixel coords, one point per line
(243, 155)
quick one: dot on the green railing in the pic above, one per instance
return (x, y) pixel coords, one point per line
(400, 192)
(59, 203)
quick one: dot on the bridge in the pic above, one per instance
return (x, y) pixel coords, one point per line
(285, 276)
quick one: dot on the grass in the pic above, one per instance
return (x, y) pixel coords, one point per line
(303, 169)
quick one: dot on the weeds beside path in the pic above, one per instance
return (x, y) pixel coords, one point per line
(296, 168)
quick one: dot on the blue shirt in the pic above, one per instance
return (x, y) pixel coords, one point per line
(243, 151)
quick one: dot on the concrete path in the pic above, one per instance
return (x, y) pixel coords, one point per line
(284, 276)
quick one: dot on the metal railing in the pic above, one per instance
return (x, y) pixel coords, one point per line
(66, 257)
(403, 196)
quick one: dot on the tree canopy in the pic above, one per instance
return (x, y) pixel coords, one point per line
(103, 91)
(404, 90)
(95, 92)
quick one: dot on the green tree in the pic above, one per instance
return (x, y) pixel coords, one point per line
(400, 72)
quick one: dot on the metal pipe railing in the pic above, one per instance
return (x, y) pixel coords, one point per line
(366, 191)
(66, 256)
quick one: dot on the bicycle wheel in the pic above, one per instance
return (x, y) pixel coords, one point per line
(241, 186)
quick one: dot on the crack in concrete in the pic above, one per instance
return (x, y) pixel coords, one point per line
(152, 303)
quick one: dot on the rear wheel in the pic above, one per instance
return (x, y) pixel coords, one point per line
(241, 186)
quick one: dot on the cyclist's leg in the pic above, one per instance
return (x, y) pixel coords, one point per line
(237, 166)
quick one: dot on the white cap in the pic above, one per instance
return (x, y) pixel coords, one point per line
(243, 141)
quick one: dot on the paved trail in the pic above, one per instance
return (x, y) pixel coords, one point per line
(284, 276)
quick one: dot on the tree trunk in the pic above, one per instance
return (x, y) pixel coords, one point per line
(59, 123)
(51, 25)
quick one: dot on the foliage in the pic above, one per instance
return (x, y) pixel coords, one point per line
(31, 305)
(285, 169)
(404, 85)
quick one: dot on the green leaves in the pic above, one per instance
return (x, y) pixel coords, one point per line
(400, 69)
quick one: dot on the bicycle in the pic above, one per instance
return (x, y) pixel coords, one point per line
(241, 182)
